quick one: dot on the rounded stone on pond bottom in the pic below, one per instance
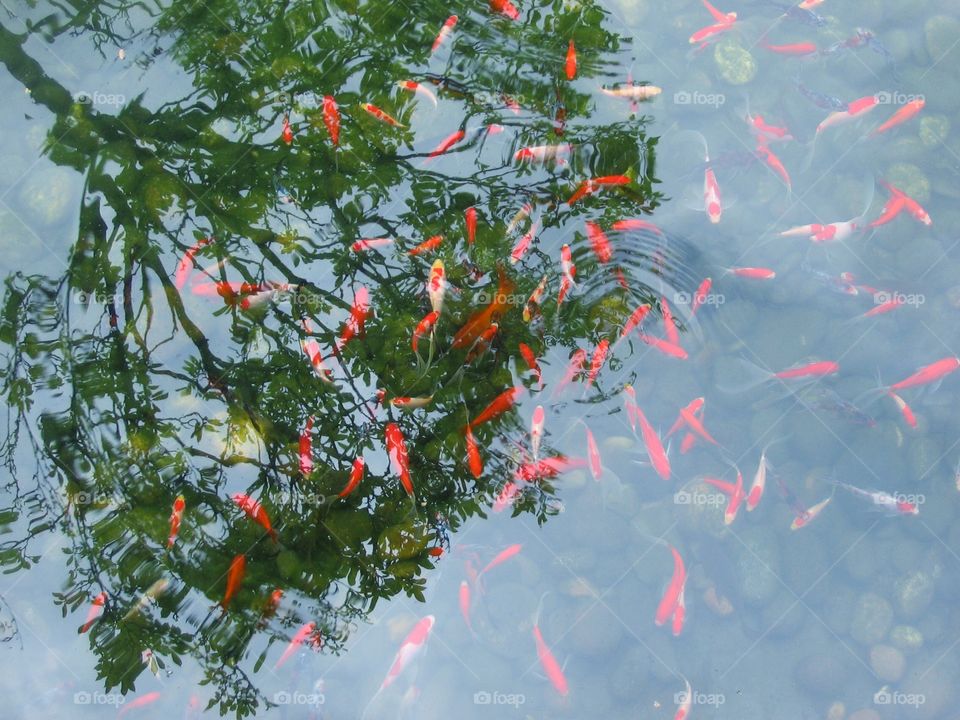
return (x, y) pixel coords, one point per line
(914, 594)
(872, 617)
(734, 62)
(906, 638)
(887, 662)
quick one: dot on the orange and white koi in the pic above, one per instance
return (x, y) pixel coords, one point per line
(635, 320)
(97, 606)
(359, 312)
(535, 299)
(431, 243)
(567, 268)
(418, 89)
(523, 244)
(630, 405)
(574, 368)
(711, 196)
(928, 373)
(254, 510)
(685, 702)
(185, 266)
(736, 499)
(306, 448)
(306, 631)
(807, 516)
(444, 33)
(175, 517)
(893, 504)
(331, 118)
(397, 452)
(311, 348)
(691, 420)
(505, 7)
(855, 109)
(536, 430)
(900, 200)
(474, 461)
(437, 285)
(371, 243)
(549, 663)
(411, 403)
(522, 214)
(634, 93)
(905, 410)
(591, 185)
(381, 115)
(901, 116)
(423, 327)
(238, 567)
(356, 475)
(883, 308)
(412, 646)
(470, 219)
(599, 242)
(656, 453)
(499, 405)
(570, 66)
(543, 154)
(759, 483)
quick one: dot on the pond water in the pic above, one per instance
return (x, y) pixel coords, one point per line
(580, 360)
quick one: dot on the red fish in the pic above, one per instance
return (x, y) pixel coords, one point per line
(411, 647)
(308, 630)
(593, 455)
(464, 599)
(359, 312)
(815, 369)
(97, 606)
(668, 603)
(635, 320)
(773, 162)
(759, 483)
(590, 186)
(801, 48)
(902, 115)
(311, 348)
(481, 320)
(444, 33)
(380, 115)
(574, 368)
(550, 665)
(693, 407)
(447, 143)
(568, 272)
(506, 496)
(175, 517)
(474, 460)
(142, 701)
(635, 224)
(254, 510)
(679, 615)
(370, 244)
(754, 273)
(502, 557)
(667, 348)
(571, 64)
(399, 461)
(356, 475)
(287, 133)
(900, 199)
(238, 568)
(536, 430)
(470, 217)
(928, 374)
(658, 456)
(185, 266)
(482, 343)
(331, 118)
(669, 326)
(904, 409)
(599, 242)
(423, 327)
(696, 426)
(505, 7)
(547, 468)
(523, 244)
(700, 296)
(431, 243)
(596, 362)
(499, 405)
(531, 359)
(418, 89)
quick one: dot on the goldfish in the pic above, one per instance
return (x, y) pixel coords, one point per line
(773, 162)
(356, 475)
(668, 603)
(175, 517)
(900, 116)
(185, 266)
(570, 66)
(238, 567)
(447, 143)
(754, 273)
(547, 467)
(574, 368)
(474, 461)
(801, 48)
(855, 109)
(97, 606)
(905, 410)
(549, 663)
(536, 431)
(523, 244)
(665, 346)
(928, 373)
(311, 349)
(397, 451)
(691, 408)
(380, 115)
(501, 557)
(481, 320)
(359, 312)
(270, 607)
(736, 498)
(482, 343)
(157, 589)
(470, 219)
(506, 496)
(411, 403)
(591, 185)
(306, 448)
(723, 22)
(437, 285)
(696, 426)
(418, 89)
(630, 405)
(136, 703)
(505, 7)
(635, 320)
(700, 296)
(685, 702)
(331, 118)
(287, 133)
(759, 483)
(656, 453)
(499, 405)
(464, 602)
(411, 647)
(254, 510)
(596, 362)
(814, 369)
(531, 360)
(902, 201)
(669, 325)
(444, 33)
(599, 242)
(543, 153)
(307, 630)
(593, 455)
(431, 243)
(568, 272)
(893, 504)
(423, 327)
(679, 614)
(633, 92)
(371, 243)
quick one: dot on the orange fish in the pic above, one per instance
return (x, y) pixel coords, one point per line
(523, 244)
(899, 200)
(175, 517)
(474, 460)
(571, 64)
(658, 456)
(499, 405)
(599, 242)
(254, 510)
(359, 312)
(505, 7)
(668, 603)
(287, 132)
(418, 89)
(482, 343)
(444, 33)
(447, 143)
(664, 346)
(465, 603)
(549, 663)
(305, 631)
(904, 409)
(755, 273)
(423, 327)
(533, 302)
(531, 359)
(370, 244)
(238, 568)
(902, 115)
(470, 218)
(380, 115)
(635, 319)
(593, 455)
(700, 296)
(96, 610)
(481, 320)
(669, 325)
(929, 373)
(431, 243)
(399, 460)
(596, 362)
(185, 266)
(142, 701)
(331, 118)
(356, 475)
